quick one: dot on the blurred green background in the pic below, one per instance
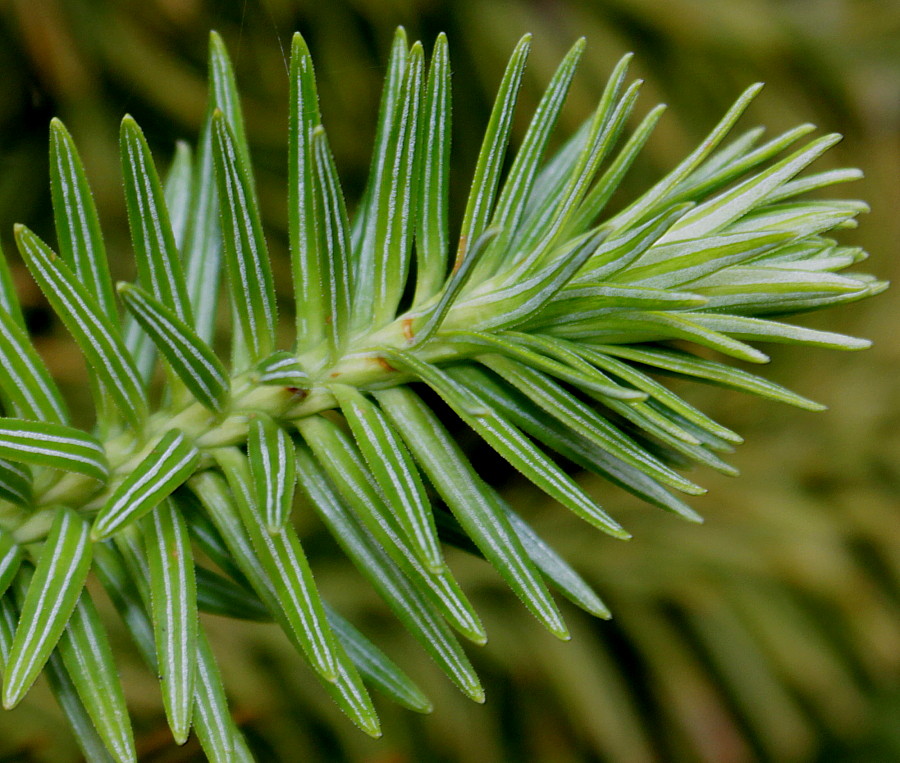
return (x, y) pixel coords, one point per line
(770, 633)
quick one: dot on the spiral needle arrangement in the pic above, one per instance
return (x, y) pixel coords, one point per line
(546, 327)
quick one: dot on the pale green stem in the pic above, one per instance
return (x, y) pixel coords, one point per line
(362, 368)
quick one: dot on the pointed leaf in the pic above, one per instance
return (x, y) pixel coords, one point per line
(472, 502)
(61, 684)
(520, 180)
(657, 326)
(173, 601)
(202, 248)
(379, 669)
(800, 218)
(394, 208)
(192, 359)
(224, 94)
(77, 225)
(282, 368)
(508, 441)
(88, 660)
(58, 581)
(522, 347)
(96, 336)
(73, 706)
(753, 289)
(363, 233)
(334, 245)
(216, 729)
(304, 236)
(347, 691)
(405, 599)
(685, 364)
(493, 149)
(159, 266)
(775, 331)
(580, 418)
(53, 445)
(168, 464)
(284, 561)
(638, 210)
(351, 696)
(716, 213)
(670, 266)
(657, 391)
(395, 472)
(347, 469)
(718, 171)
(607, 184)
(246, 254)
(24, 378)
(224, 98)
(596, 428)
(813, 182)
(547, 230)
(551, 565)
(550, 213)
(433, 158)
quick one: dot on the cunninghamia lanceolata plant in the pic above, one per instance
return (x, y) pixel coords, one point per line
(544, 328)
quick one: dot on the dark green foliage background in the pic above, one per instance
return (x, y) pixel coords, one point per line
(705, 659)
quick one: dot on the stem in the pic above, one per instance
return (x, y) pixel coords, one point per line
(361, 367)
